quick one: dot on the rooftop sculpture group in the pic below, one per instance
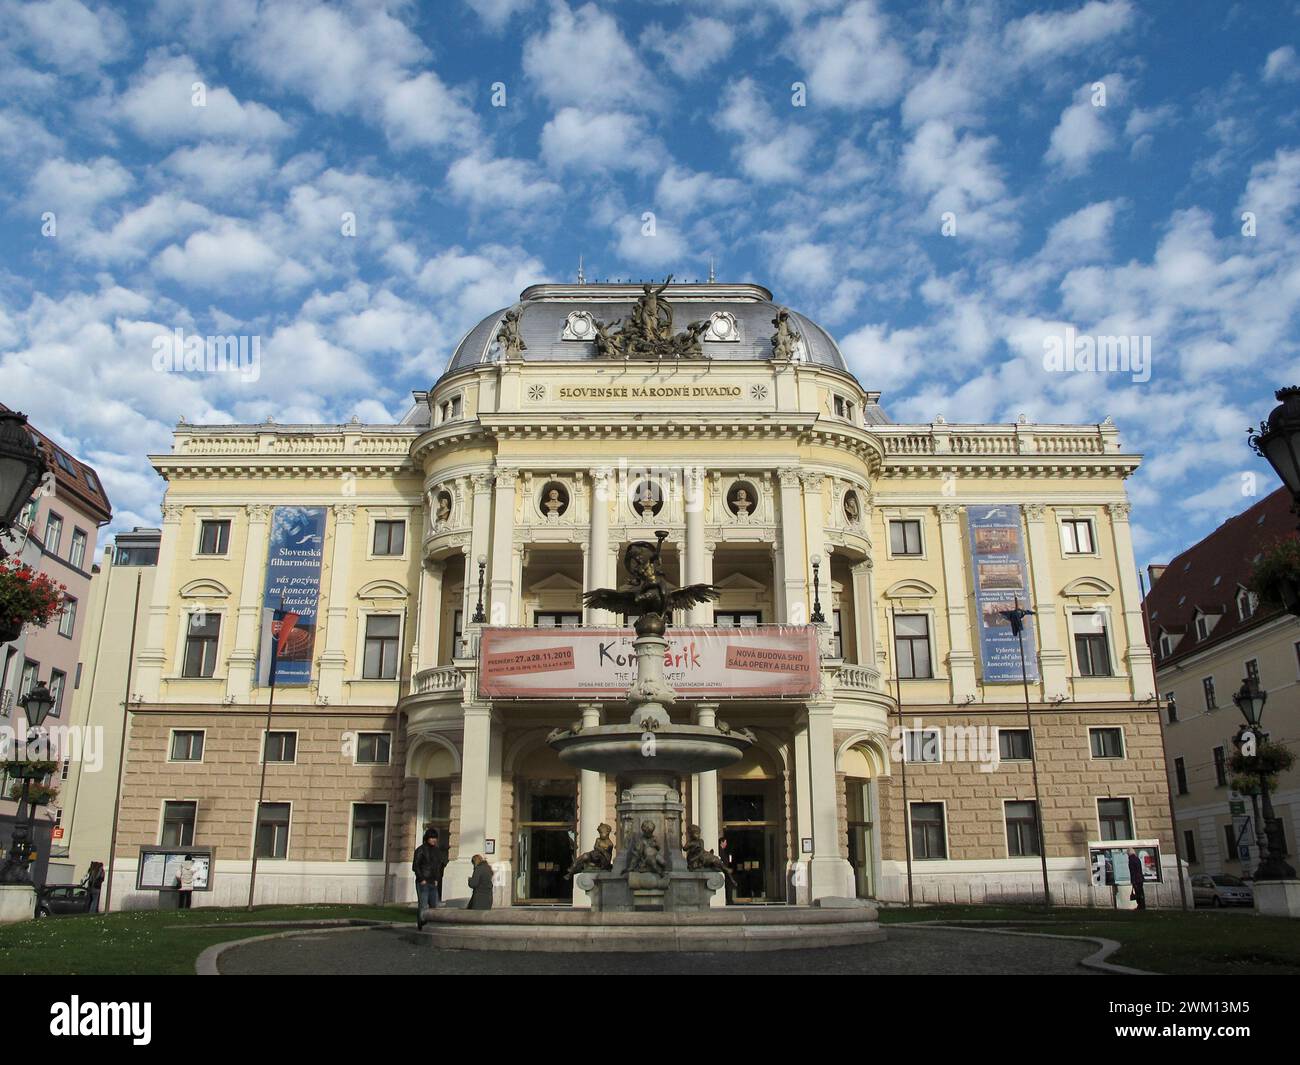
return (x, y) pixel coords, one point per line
(648, 332)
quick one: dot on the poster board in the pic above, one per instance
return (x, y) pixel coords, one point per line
(159, 867)
(1108, 861)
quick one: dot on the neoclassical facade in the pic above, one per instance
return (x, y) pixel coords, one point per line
(514, 485)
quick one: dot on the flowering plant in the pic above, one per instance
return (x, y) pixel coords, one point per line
(27, 597)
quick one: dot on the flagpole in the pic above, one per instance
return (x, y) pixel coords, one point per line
(266, 735)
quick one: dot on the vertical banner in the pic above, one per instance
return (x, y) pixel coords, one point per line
(292, 596)
(997, 552)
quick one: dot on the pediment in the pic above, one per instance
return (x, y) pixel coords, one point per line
(911, 588)
(205, 588)
(1087, 586)
(383, 589)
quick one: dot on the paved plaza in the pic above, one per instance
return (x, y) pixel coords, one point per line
(908, 950)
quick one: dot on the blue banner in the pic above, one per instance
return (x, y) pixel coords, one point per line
(292, 596)
(997, 554)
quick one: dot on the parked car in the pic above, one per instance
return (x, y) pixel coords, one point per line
(1221, 890)
(63, 899)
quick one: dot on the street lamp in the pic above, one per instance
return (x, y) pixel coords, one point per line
(1250, 701)
(1278, 440)
(818, 618)
(21, 465)
(480, 617)
(36, 705)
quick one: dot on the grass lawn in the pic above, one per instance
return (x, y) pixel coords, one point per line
(163, 942)
(1164, 941)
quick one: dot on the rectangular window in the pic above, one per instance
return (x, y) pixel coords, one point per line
(1116, 817)
(201, 645)
(53, 532)
(273, 830)
(1014, 745)
(28, 681)
(390, 538)
(373, 748)
(927, 831)
(1090, 645)
(380, 661)
(1230, 841)
(1171, 708)
(68, 616)
(1022, 828)
(77, 552)
(905, 537)
(1221, 767)
(1180, 775)
(736, 619)
(1189, 847)
(368, 822)
(1208, 685)
(281, 747)
(1076, 536)
(837, 632)
(557, 619)
(187, 745)
(178, 824)
(214, 537)
(457, 632)
(58, 681)
(1252, 670)
(1106, 742)
(922, 745)
(912, 646)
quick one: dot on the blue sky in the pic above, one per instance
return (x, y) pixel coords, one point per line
(1095, 160)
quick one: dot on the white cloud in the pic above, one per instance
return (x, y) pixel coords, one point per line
(138, 231)
(681, 191)
(588, 141)
(496, 13)
(767, 150)
(219, 170)
(422, 112)
(1040, 37)
(958, 175)
(484, 182)
(67, 34)
(583, 58)
(697, 45)
(75, 190)
(162, 104)
(225, 257)
(1272, 194)
(1082, 132)
(666, 247)
(850, 59)
(1282, 65)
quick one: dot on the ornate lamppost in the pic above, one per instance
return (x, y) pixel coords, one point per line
(1278, 440)
(818, 618)
(36, 705)
(21, 467)
(480, 617)
(1250, 701)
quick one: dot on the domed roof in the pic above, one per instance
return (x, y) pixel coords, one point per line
(553, 324)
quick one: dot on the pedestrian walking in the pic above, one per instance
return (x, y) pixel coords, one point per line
(480, 883)
(427, 867)
(1136, 878)
(95, 883)
(185, 882)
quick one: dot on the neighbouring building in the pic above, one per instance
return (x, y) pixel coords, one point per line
(380, 557)
(57, 534)
(1210, 633)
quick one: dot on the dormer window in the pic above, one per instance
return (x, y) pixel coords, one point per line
(450, 409)
(1246, 603)
(1166, 645)
(844, 408)
(1202, 626)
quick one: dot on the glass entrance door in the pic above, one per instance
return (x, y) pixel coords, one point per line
(751, 841)
(861, 835)
(545, 839)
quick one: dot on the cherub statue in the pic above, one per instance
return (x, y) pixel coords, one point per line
(698, 858)
(646, 594)
(509, 337)
(687, 345)
(645, 853)
(609, 345)
(601, 855)
(785, 339)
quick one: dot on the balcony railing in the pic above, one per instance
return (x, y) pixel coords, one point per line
(438, 679)
(940, 438)
(857, 678)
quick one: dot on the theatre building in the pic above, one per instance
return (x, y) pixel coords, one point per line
(385, 562)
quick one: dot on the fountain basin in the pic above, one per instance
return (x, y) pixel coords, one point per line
(628, 748)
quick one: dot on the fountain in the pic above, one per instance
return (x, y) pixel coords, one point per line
(657, 889)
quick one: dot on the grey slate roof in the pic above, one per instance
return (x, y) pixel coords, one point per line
(546, 307)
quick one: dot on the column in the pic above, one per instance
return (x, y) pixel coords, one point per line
(429, 624)
(501, 611)
(802, 810)
(591, 801)
(333, 660)
(706, 797)
(961, 659)
(243, 657)
(597, 572)
(694, 551)
(1138, 659)
(829, 871)
(794, 558)
(153, 653)
(475, 767)
(863, 614)
(1046, 626)
(479, 538)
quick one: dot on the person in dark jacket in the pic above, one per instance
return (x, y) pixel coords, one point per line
(480, 882)
(427, 867)
(1136, 878)
(95, 882)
